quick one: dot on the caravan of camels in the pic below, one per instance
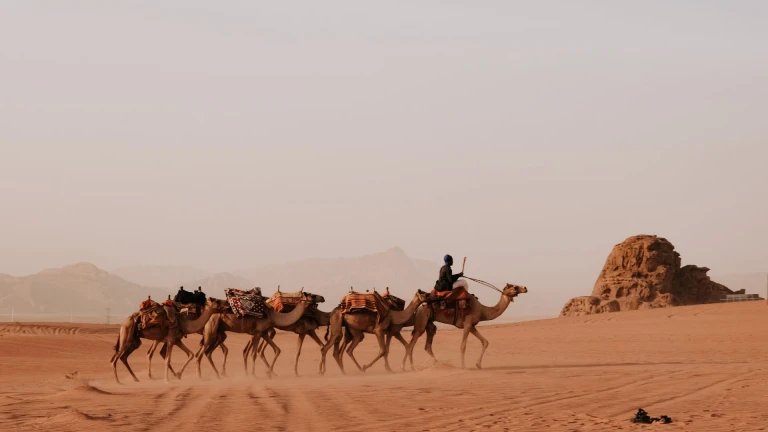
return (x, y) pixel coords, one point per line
(381, 314)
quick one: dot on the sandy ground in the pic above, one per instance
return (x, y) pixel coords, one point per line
(704, 366)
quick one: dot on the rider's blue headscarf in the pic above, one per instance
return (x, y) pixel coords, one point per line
(448, 259)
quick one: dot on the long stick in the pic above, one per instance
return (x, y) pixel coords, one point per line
(482, 282)
(463, 264)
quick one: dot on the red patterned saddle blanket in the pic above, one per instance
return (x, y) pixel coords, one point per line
(249, 302)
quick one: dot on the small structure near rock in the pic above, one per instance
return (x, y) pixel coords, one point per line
(644, 272)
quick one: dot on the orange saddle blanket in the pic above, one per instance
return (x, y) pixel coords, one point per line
(357, 302)
(285, 302)
(454, 295)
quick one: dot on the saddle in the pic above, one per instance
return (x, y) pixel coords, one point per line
(285, 302)
(450, 303)
(355, 302)
(187, 297)
(250, 303)
(395, 303)
(455, 299)
(154, 314)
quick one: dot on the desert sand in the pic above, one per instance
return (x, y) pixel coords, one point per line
(705, 366)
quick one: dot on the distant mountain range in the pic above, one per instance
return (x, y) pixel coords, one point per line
(84, 288)
(78, 288)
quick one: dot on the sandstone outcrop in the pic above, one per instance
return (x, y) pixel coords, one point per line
(645, 272)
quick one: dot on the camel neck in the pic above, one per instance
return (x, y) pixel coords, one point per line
(196, 325)
(400, 317)
(287, 319)
(488, 313)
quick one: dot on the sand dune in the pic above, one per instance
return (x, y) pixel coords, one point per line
(705, 366)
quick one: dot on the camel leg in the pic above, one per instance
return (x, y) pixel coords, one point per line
(202, 346)
(125, 345)
(420, 325)
(431, 331)
(163, 352)
(207, 346)
(333, 342)
(464, 336)
(245, 355)
(209, 355)
(254, 344)
(277, 351)
(224, 350)
(168, 362)
(357, 337)
(298, 353)
(261, 350)
(150, 353)
(258, 350)
(132, 346)
(189, 354)
(399, 337)
(124, 359)
(315, 338)
(485, 343)
(382, 351)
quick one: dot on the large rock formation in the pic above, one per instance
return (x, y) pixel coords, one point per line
(644, 272)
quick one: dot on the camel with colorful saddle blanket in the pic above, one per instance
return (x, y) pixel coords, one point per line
(132, 331)
(251, 316)
(365, 313)
(305, 326)
(394, 330)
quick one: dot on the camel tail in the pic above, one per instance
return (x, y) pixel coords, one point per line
(327, 330)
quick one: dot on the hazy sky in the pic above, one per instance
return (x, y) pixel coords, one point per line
(529, 136)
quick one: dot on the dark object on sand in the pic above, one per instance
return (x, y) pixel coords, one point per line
(643, 417)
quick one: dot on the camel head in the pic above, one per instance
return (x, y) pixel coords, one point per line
(511, 291)
(420, 297)
(314, 298)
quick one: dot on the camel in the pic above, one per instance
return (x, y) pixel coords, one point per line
(393, 331)
(129, 337)
(366, 322)
(215, 328)
(477, 312)
(305, 326)
(164, 349)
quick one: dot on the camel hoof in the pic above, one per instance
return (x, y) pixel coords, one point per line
(134, 380)
(479, 366)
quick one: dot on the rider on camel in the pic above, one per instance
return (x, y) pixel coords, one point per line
(447, 280)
